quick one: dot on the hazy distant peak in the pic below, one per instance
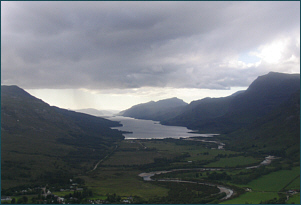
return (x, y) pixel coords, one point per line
(174, 99)
(96, 112)
(91, 111)
(152, 109)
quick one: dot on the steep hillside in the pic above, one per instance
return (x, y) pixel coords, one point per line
(263, 95)
(224, 115)
(277, 133)
(38, 140)
(162, 109)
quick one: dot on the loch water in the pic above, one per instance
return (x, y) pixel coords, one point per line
(149, 129)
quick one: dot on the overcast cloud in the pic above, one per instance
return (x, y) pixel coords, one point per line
(101, 45)
(126, 45)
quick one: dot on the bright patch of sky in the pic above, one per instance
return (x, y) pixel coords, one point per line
(272, 53)
(248, 58)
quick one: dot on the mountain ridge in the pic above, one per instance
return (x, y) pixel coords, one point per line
(234, 111)
(154, 110)
(31, 130)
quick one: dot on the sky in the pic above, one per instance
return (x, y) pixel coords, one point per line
(113, 55)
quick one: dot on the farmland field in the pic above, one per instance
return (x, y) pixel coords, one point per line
(295, 184)
(252, 198)
(234, 162)
(131, 158)
(268, 186)
(123, 182)
(275, 181)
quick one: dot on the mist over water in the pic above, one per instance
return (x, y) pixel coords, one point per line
(147, 129)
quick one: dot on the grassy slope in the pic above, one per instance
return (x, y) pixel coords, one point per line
(277, 133)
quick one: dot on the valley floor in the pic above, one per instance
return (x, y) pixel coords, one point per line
(119, 173)
(194, 172)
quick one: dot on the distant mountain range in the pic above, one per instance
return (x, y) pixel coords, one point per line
(38, 140)
(162, 109)
(225, 114)
(95, 112)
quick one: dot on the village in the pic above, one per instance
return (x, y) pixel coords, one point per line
(72, 193)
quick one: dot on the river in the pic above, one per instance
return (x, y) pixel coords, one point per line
(149, 129)
(147, 177)
(229, 192)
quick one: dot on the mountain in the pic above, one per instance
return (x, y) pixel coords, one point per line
(225, 115)
(162, 109)
(91, 111)
(41, 143)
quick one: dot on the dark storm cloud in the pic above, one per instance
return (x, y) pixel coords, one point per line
(99, 45)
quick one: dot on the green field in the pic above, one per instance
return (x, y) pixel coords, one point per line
(274, 181)
(294, 199)
(197, 150)
(295, 184)
(267, 187)
(234, 162)
(120, 158)
(113, 177)
(123, 183)
(252, 198)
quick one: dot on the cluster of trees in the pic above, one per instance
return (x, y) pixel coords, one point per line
(163, 162)
(218, 176)
(281, 200)
(22, 200)
(78, 196)
(113, 198)
(20, 190)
